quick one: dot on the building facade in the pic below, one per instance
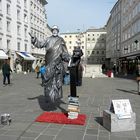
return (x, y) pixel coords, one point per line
(15, 24)
(123, 35)
(130, 28)
(92, 42)
(113, 40)
(95, 46)
(38, 22)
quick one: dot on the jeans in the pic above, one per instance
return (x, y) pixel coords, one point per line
(6, 76)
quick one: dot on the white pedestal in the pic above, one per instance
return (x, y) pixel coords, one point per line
(113, 124)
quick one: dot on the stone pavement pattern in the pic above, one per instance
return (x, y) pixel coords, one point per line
(24, 100)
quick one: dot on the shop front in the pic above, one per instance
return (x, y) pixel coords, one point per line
(24, 62)
(129, 64)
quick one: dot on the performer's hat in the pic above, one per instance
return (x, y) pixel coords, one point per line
(55, 27)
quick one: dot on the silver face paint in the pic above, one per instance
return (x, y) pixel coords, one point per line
(55, 32)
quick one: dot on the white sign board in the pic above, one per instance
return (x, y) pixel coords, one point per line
(122, 108)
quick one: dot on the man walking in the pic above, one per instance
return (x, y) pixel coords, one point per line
(6, 72)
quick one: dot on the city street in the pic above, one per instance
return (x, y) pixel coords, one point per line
(24, 100)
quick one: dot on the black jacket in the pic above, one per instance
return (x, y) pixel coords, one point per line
(6, 69)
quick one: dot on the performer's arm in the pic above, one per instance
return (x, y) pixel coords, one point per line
(65, 55)
(37, 43)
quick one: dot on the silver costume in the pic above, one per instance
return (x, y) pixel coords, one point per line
(56, 54)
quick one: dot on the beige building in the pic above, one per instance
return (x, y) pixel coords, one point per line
(130, 35)
(92, 43)
(95, 46)
(74, 39)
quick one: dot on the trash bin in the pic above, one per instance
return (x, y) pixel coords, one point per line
(109, 73)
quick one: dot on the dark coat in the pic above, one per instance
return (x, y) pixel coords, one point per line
(6, 69)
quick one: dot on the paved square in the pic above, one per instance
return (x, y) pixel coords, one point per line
(24, 100)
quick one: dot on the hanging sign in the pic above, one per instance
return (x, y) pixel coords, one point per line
(122, 108)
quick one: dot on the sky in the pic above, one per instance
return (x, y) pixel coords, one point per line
(72, 15)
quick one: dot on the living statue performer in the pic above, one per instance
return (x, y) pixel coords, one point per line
(56, 54)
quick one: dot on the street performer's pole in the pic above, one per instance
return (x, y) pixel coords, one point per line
(73, 106)
(72, 71)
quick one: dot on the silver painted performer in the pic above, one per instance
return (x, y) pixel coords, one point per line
(56, 54)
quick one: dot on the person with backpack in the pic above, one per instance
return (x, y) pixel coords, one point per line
(42, 71)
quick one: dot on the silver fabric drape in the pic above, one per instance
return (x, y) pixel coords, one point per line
(56, 53)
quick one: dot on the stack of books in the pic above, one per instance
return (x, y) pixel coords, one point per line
(73, 107)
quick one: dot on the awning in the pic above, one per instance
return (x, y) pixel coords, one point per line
(3, 55)
(26, 56)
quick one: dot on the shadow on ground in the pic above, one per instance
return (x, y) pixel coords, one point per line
(129, 76)
(128, 91)
(48, 105)
(99, 120)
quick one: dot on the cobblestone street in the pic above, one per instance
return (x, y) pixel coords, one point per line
(24, 100)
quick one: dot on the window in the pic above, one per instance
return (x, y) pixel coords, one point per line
(70, 36)
(82, 47)
(102, 52)
(31, 3)
(8, 26)
(97, 52)
(65, 36)
(18, 1)
(18, 46)
(25, 18)
(8, 44)
(0, 42)
(25, 47)
(25, 32)
(18, 14)
(18, 30)
(0, 5)
(0, 23)
(92, 52)
(25, 3)
(70, 42)
(8, 9)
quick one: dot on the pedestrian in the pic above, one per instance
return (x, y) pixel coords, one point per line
(42, 71)
(56, 53)
(114, 69)
(37, 71)
(103, 68)
(138, 77)
(6, 72)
